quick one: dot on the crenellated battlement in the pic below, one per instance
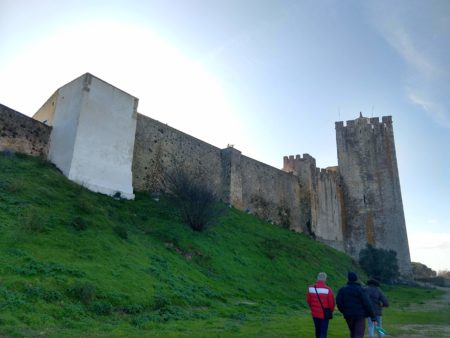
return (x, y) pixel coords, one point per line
(328, 173)
(387, 119)
(364, 121)
(296, 164)
(291, 162)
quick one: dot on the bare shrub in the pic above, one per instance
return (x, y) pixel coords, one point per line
(194, 198)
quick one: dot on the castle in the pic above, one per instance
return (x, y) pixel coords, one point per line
(93, 133)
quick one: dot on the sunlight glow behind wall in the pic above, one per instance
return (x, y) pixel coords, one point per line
(171, 88)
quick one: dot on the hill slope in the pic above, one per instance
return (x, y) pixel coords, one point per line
(76, 263)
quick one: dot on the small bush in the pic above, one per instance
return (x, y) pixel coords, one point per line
(240, 316)
(33, 267)
(379, 263)
(133, 309)
(82, 291)
(79, 223)
(47, 295)
(12, 187)
(196, 201)
(121, 231)
(101, 308)
(10, 298)
(30, 220)
(160, 302)
(73, 311)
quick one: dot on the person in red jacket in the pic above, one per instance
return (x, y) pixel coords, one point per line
(324, 292)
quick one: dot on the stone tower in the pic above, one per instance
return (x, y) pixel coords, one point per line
(373, 210)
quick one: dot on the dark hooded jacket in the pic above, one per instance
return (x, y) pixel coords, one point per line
(377, 298)
(353, 301)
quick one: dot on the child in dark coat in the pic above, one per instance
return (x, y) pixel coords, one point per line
(379, 301)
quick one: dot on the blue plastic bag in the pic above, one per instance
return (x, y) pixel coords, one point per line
(380, 330)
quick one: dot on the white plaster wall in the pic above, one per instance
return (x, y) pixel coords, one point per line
(92, 140)
(103, 152)
(65, 125)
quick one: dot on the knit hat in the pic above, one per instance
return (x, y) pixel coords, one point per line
(352, 277)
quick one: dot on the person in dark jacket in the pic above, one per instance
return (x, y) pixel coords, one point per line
(316, 304)
(353, 302)
(379, 301)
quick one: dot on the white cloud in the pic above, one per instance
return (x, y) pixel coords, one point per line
(433, 109)
(431, 249)
(421, 38)
(402, 41)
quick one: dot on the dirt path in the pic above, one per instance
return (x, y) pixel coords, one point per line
(429, 331)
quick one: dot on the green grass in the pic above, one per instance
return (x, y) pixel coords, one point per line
(75, 263)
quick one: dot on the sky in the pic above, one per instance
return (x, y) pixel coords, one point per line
(270, 77)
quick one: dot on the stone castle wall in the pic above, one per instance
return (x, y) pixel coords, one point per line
(159, 148)
(346, 207)
(20, 133)
(321, 199)
(271, 193)
(241, 181)
(329, 224)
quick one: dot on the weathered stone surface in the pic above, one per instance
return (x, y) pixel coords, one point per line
(371, 185)
(320, 200)
(347, 207)
(245, 183)
(20, 133)
(159, 148)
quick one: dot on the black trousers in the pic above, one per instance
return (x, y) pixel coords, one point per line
(357, 326)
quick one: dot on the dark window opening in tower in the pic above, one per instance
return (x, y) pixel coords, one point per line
(364, 197)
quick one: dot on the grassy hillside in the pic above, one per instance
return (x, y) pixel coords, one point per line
(76, 263)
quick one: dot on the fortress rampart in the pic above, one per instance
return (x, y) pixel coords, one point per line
(356, 203)
(20, 133)
(241, 181)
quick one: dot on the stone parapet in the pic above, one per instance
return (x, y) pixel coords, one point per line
(23, 134)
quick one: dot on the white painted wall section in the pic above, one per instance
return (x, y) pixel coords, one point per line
(65, 125)
(93, 134)
(104, 145)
